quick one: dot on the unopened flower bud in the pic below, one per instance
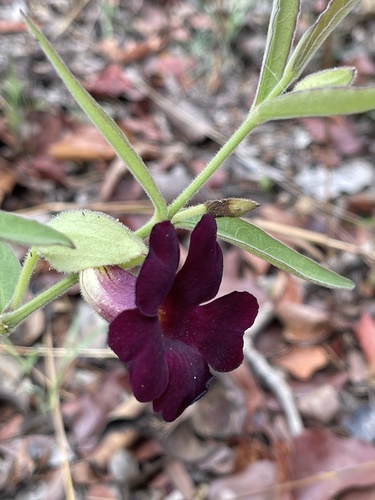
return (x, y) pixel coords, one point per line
(109, 290)
(230, 207)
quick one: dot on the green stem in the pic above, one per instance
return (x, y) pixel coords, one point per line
(194, 211)
(23, 281)
(282, 85)
(108, 128)
(9, 321)
(145, 230)
(248, 125)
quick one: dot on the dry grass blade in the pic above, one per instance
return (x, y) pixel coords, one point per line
(58, 352)
(58, 420)
(297, 233)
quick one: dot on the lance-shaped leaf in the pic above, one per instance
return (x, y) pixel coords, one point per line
(9, 273)
(318, 102)
(279, 41)
(335, 77)
(256, 241)
(99, 240)
(27, 232)
(315, 36)
(108, 128)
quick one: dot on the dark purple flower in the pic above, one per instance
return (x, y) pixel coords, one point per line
(169, 340)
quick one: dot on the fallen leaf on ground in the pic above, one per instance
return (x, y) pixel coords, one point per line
(222, 412)
(339, 464)
(365, 333)
(321, 404)
(8, 179)
(304, 323)
(256, 477)
(111, 82)
(84, 144)
(303, 362)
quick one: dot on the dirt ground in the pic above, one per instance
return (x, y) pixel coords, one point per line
(297, 419)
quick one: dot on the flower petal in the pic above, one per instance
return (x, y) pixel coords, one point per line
(215, 329)
(137, 341)
(109, 290)
(189, 377)
(200, 277)
(159, 268)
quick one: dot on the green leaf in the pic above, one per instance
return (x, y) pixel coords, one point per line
(335, 77)
(318, 102)
(27, 232)
(280, 36)
(108, 128)
(9, 273)
(315, 36)
(253, 239)
(100, 240)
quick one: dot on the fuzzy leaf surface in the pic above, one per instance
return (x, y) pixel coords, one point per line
(315, 36)
(318, 102)
(280, 36)
(9, 273)
(100, 240)
(27, 232)
(335, 77)
(256, 241)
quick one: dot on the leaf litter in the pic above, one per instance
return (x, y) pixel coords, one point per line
(236, 442)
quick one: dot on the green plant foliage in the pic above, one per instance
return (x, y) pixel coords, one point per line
(335, 77)
(27, 232)
(315, 36)
(108, 128)
(256, 241)
(318, 102)
(280, 36)
(9, 273)
(99, 240)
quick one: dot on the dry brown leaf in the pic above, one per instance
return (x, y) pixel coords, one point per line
(255, 478)
(304, 323)
(83, 473)
(84, 144)
(12, 427)
(183, 443)
(8, 179)
(133, 51)
(365, 332)
(180, 478)
(222, 412)
(318, 451)
(303, 362)
(245, 380)
(103, 491)
(287, 288)
(321, 404)
(31, 170)
(12, 26)
(111, 82)
(21, 458)
(110, 444)
(87, 413)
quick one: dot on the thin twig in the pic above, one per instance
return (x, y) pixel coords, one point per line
(58, 420)
(272, 378)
